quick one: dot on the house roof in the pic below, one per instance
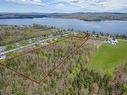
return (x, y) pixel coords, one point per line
(2, 56)
(2, 48)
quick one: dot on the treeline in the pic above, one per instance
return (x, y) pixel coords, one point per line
(13, 33)
(95, 16)
(118, 36)
(20, 15)
(79, 15)
(92, 83)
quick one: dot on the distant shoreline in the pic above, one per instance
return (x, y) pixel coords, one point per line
(80, 16)
(64, 18)
(88, 20)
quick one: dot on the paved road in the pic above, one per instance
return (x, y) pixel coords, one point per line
(30, 45)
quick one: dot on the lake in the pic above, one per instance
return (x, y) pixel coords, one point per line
(111, 27)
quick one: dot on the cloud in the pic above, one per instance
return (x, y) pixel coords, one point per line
(113, 5)
(88, 3)
(34, 2)
(104, 5)
(91, 5)
(78, 5)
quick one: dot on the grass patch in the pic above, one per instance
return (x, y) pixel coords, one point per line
(107, 57)
(11, 46)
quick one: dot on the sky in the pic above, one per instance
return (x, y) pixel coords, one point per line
(63, 6)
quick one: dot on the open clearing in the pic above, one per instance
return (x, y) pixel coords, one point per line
(107, 57)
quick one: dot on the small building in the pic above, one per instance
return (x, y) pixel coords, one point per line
(58, 33)
(30, 41)
(112, 41)
(2, 56)
(50, 37)
(41, 41)
(2, 48)
(17, 44)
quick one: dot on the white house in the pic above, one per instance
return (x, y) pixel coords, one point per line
(50, 37)
(2, 48)
(41, 41)
(2, 56)
(17, 44)
(112, 41)
(30, 41)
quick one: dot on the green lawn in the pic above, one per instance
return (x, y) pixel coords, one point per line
(107, 57)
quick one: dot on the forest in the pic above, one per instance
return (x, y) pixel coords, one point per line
(40, 71)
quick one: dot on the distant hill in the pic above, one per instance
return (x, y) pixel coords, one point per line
(79, 15)
(21, 15)
(94, 16)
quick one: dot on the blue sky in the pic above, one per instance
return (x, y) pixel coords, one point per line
(63, 6)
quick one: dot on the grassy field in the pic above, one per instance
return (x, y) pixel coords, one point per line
(107, 57)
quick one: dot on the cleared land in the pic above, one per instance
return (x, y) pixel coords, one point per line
(107, 57)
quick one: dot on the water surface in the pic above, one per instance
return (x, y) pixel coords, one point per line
(111, 27)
